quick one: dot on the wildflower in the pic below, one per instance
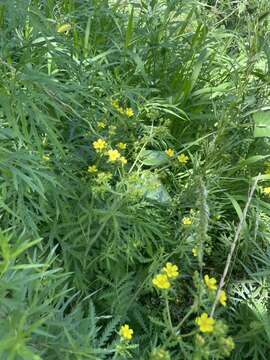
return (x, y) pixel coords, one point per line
(211, 283)
(122, 146)
(195, 251)
(266, 190)
(64, 28)
(171, 270)
(46, 158)
(123, 160)
(129, 112)
(115, 104)
(99, 144)
(126, 332)
(113, 155)
(183, 159)
(161, 281)
(101, 125)
(205, 323)
(186, 221)
(169, 152)
(92, 169)
(223, 298)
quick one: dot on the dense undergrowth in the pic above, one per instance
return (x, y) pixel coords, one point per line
(127, 147)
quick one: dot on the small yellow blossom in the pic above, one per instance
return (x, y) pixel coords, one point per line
(169, 152)
(171, 270)
(266, 190)
(101, 125)
(115, 104)
(122, 146)
(195, 251)
(113, 155)
(205, 323)
(92, 169)
(126, 332)
(211, 283)
(64, 28)
(161, 281)
(99, 144)
(129, 112)
(186, 221)
(123, 160)
(183, 159)
(46, 158)
(223, 298)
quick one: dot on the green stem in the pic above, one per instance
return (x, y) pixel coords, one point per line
(168, 313)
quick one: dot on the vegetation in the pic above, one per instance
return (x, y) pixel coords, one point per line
(131, 171)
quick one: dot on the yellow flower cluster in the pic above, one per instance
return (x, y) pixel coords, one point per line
(113, 154)
(162, 280)
(182, 158)
(126, 332)
(124, 111)
(211, 283)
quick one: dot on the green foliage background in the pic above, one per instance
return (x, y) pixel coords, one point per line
(78, 251)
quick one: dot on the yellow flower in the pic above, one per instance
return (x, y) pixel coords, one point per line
(129, 112)
(46, 158)
(113, 155)
(64, 28)
(195, 251)
(115, 104)
(169, 152)
(92, 169)
(266, 190)
(211, 283)
(123, 160)
(126, 332)
(101, 125)
(186, 221)
(161, 281)
(183, 159)
(122, 146)
(171, 270)
(205, 323)
(99, 144)
(223, 298)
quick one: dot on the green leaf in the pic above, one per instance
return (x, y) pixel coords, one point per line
(154, 157)
(129, 29)
(262, 124)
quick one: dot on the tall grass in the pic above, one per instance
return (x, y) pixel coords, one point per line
(80, 245)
